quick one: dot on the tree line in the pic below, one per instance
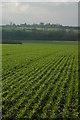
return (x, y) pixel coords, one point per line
(40, 25)
(22, 34)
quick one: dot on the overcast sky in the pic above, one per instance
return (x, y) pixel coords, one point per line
(39, 0)
(65, 13)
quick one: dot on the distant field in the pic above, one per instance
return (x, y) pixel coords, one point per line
(40, 80)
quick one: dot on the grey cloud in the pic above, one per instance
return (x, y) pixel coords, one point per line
(60, 12)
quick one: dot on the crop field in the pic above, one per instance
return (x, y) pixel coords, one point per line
(40, 80)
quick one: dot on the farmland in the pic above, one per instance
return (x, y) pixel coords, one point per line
(40, 80)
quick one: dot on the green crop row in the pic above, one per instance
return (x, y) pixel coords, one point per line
(40, 81)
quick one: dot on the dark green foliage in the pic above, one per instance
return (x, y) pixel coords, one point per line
(22, 33)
